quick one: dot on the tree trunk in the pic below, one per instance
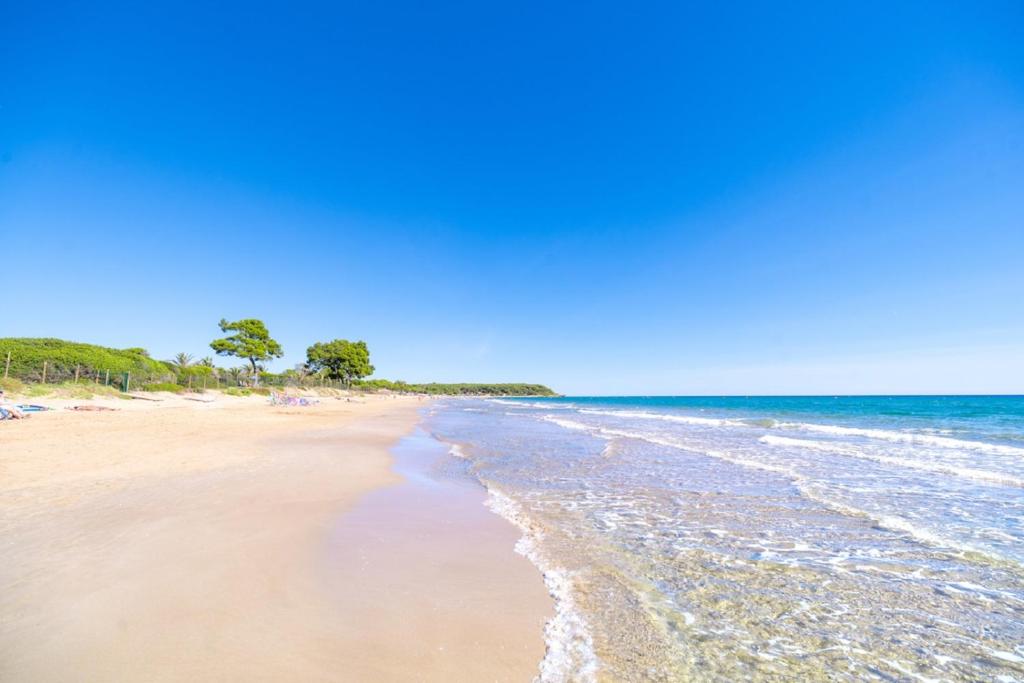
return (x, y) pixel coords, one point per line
(255, 373)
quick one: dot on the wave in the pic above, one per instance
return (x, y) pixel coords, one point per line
(901, 525)
(570, 649)
(532, 404)
(905, 437)
(606, 433)
(682, 419)
(927, 439)
(806, 487)
(940, 468)
(569, 424)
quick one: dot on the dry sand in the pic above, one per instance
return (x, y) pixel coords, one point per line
(236, 541)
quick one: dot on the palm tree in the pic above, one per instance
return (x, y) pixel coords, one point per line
(182, 360)
(207, 361)
(236, 374)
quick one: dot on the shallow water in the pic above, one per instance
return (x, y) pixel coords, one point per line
(765, 538)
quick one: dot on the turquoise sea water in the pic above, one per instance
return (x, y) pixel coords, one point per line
(764, 538)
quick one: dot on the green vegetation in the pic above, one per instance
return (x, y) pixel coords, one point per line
(339, 359)
(63, 358)
(83, 389)
(48, 366)
(12, 385)
(247, 391)
(251, 341)
(163, 386)
(434, 388)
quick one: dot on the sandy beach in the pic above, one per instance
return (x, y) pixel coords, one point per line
(231, 540)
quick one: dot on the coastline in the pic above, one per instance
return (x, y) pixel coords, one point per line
(435, 574)
(189, 540)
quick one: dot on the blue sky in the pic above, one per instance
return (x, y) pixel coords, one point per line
(790, 198)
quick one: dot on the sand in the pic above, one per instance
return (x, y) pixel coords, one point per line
(238, 541)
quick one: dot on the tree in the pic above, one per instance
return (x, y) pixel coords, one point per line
(182, 360)
(236, 375)
(251, 341)
(340, 359)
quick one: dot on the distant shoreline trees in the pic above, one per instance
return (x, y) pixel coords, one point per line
(332, 364)
(460, 389)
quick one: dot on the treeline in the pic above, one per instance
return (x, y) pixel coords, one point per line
(465, 389)
(63, 358)
(336, 364)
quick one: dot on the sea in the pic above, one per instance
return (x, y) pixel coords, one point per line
(843, 538)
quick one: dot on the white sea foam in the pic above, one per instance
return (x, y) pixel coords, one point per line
(455, 449)
(925, 466)
(749, 463)
(682, 419)
(569, 424)
(671, 443)
(533, 404)
(1007, 656)
(805, 443)
(803, 484)
(897, 524)
(905, 437)
(570, 648)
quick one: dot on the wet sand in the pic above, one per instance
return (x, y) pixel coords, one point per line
(218, 542)
(426, 565)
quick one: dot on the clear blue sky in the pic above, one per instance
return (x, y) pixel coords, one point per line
(781, 198)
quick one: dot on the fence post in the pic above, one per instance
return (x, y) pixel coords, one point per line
(107, 381)
(190, 382)
(44, 373)
(7, 368)
(77, 368)
(127, 382)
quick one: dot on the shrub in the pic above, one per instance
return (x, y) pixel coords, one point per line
(11, 385)
(163, 386)
(82, 390)
(63, 357)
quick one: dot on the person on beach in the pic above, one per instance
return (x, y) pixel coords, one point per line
(9, 411)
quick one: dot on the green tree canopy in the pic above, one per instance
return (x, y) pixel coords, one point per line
(340, 359)
(251, 341)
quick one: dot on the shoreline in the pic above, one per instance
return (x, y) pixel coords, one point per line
(179, 540)
(470, 609)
